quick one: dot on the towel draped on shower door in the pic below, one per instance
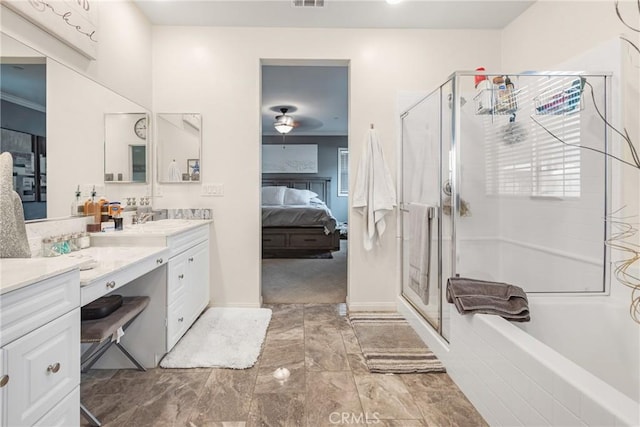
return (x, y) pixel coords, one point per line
(374, 194)
(419, 250)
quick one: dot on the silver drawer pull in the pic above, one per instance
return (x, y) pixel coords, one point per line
(4, 380)
(111, 284)
(159, 261)
(181, 276)
(190, 259)
(54, 368)
(180, 319)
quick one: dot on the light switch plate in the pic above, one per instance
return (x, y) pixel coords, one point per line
(212, 189)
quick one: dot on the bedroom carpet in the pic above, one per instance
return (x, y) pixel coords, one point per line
(391, 346)
(317, 281)
(221, 338)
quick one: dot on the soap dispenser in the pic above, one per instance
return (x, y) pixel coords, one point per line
(90, 204)
(75, 205)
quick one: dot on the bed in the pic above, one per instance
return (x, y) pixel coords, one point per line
(296, 217)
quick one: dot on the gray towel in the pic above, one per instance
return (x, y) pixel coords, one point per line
(479, 296)
(13, 233)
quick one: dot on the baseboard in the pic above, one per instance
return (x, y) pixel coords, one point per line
(372, 306)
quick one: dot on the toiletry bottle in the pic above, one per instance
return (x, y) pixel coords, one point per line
(75, 205)
(484, 97)
(102, 211)
(510, 94)
(90, 204)
(499, 89)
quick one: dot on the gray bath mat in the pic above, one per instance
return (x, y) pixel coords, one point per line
(391, 346)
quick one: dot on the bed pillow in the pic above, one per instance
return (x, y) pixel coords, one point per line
(273, 195)
(293, 196)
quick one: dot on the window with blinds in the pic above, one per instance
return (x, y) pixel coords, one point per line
(536, 152)
(343, 172)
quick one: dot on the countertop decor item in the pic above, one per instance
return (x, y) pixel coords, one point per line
(13, 233)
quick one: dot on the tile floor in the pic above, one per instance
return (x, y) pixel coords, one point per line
(329, 385)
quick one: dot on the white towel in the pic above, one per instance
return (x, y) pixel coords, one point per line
(419, 250)
(174, 172)
(374, 194)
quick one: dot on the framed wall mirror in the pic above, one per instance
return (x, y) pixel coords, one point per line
(125, 148)
(65, 117)
(179, 144)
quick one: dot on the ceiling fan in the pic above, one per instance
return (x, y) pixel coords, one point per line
(284, 123)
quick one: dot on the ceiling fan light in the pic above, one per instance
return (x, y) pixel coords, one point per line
(283, 123)
(283, 127)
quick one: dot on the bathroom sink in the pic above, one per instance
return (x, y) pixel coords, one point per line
(161, 226)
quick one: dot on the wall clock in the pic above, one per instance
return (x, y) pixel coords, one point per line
(140, 128)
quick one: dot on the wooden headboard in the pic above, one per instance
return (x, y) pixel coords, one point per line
(318, 184)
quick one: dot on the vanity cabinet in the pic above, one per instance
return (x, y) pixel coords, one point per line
(40, 353)
(187, 285)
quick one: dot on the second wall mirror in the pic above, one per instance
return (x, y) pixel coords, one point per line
(125, 147)
(179, 138)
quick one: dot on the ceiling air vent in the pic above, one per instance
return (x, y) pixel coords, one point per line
(307, 3)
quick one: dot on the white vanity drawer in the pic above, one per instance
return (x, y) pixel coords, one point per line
(47, 364)
(176, 322)
(111, 282)
(65, 413)
(25, 309)
(183, 241)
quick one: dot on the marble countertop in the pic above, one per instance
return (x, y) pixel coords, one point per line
(98, 262)
(16, 273)
(163, 227)
(94, 263)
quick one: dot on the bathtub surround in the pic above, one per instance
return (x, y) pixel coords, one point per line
(478, 296)
(223, 337)
(390, 346)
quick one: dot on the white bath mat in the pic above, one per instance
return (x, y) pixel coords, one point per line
(221, 338)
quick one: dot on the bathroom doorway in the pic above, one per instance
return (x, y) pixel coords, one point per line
(304, 181)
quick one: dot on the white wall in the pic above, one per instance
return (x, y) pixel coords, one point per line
(216, 71)
(123, 59)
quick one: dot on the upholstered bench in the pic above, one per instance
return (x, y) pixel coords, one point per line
(103, 333)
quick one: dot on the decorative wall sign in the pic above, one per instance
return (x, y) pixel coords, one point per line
(292, 158)
(74, 22)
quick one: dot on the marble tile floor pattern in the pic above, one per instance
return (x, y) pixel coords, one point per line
(329, 385)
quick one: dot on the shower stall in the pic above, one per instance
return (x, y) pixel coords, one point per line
(508, 178)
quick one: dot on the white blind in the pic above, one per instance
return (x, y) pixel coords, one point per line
(522, 158)
(343, 172)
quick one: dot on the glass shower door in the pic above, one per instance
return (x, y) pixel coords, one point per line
(421, 201)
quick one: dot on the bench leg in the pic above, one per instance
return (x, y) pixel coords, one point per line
(130, 357)
(89, 416)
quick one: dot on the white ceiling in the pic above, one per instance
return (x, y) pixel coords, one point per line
(444, 14)
(317, 96)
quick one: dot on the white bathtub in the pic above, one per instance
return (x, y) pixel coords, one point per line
(596, 333)
(515, 379)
